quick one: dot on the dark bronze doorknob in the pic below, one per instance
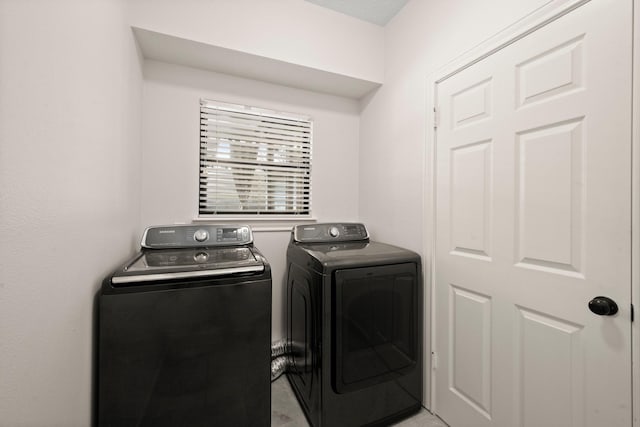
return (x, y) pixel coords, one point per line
(603, 306)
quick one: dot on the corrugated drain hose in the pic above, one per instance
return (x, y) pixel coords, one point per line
(279, 359)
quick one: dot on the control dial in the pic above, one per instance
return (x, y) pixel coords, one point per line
(201, 257)
(201, 235)
(334, 232)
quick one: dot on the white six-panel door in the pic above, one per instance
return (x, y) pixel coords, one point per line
(533, 220)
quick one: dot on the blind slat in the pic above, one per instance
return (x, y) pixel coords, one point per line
(223, 152)
(210, 120)
(253, 113)
(253, 166)
(219, 142)
(240, 171)
(240, 133)
(255, 137)
(226, 145)
(230, 195)
(213, 192)
(251, 203)
(218, 187)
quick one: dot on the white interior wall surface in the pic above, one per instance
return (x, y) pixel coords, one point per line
(170, 167)
(293, 31)
(420, 40)
(70, 85)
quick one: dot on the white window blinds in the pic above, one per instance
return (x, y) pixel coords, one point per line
(253, 161)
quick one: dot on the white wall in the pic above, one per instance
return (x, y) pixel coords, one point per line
(170, 134)
(294, 31)
(70, 85)
(422, 38)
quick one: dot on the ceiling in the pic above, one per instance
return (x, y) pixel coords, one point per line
(377, 12)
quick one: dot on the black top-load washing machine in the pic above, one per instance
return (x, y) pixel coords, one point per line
(184, 332)
(354, 326)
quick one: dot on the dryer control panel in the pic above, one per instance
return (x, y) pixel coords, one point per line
(330, 232)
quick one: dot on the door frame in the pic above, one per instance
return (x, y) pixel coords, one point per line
(521, 28)
(635, 215)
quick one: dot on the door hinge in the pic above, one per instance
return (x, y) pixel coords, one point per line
(633, 313)
(436, 118)
(434, 360)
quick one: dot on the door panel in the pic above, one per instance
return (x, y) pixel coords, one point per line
(533, 215)
(376, 318)
(550, 197)
(550, 370)
(470, 373)
(471, 199)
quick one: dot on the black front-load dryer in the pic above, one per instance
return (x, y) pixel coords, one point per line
(354, 326)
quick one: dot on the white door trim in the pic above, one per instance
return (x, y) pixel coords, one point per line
(635, 215)
(530, 23)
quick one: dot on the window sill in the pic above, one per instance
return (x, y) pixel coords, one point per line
(258, 224)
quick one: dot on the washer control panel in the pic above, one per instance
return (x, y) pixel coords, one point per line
(188, 236)
(330, 232)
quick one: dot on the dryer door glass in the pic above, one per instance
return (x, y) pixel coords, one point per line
(375, 318)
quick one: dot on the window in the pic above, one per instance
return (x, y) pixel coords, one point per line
(253, 161)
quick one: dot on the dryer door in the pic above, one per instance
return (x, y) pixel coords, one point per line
(375, 319)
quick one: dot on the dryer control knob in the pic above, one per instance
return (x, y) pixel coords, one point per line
(334, 232)
(201, 235)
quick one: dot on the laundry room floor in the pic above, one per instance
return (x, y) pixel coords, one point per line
(286, 412)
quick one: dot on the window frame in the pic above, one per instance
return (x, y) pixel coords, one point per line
(304, 150)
